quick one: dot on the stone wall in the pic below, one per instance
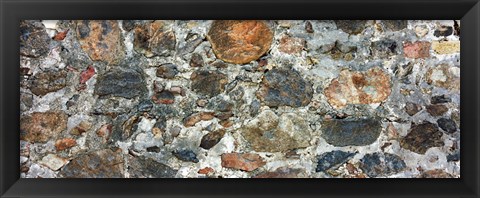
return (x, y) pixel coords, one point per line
(226, 99)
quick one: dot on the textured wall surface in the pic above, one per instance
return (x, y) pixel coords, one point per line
(250, 99)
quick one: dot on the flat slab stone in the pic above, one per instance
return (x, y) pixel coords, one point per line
(97, 164)
(348, 132)
(121, 82)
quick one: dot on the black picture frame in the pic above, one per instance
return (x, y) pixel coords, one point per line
(12, 11)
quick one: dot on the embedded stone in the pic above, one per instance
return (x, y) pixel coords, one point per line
(384, 48)
(97, 164)
(66, 143)
(421, 137)
(211, 139)
(351, 26)
(186, 155)
(283, 172)
(436, 173)
(351, 132)
(332, 159)
(42, 126)
(285, 88)
(121, 82)
(444, 76)
(443, 31)
(418, 49)
(271, 133)
(448, 125)
(164, 97)
(208, 83)
(139, 167)
(353, 87)
(101, 40)
(446, 47)
(381, 164)
(239, 41)
(34, 40)
(154, 39)
(412, 108)
(197, 117)
(440, 99)
(206, 171)
(437, 109)
(291, 45)
(242, 161)
(167, 71)
(394, 25)
(196, 60)
(53, 162)
(48, 81)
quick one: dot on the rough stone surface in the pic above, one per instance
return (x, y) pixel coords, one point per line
(121, 82)
(412, 108)
(418, 49)
(291, 45)
(446, 47)
(66, 143)
(421, 137)
(283, 172)
(351, 132)
(437, 109)
(149, 168)
(381, 164)
(34, 40)
(186, 155)
(240, 42)
(242, 161)
(155, 38)
(351, 26)
(97, 164)
(447, 125)
(48, 81)
(208, 83)
(211, 139)
(332, 159)
(41, 127)
(167, 71)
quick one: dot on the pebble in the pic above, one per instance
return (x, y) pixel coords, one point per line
(447, 125)
(206, 171)
(145, 106)
(381, 164)
(351, 26)
(332, 159)
(53, 162)
(283, 172)
(443, 31)
(412, 108)
(291, 45)
(164, 97)
(436, 109)
(196, 60)
(421, 137)
(197, 117)
(154, 39)
(446, 47)
(393, 25)
(65, 143)
(211, 139)
(42, 126)
(208, 83)
(436, 173)
(167, 71)
(148, 168)
(351, 132)
(121, 82)
(48, 81)
(440, 99)
(186, 155)
(384, 48)
(418, 49)
(242, 161)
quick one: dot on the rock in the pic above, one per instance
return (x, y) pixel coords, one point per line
(270, 133)
(211, 139)
(53, 162)
(436, 173)
(381, 164)
(105, 131)
(202, 102)
(421, 137)
(186, 155)
(154, 149)
(283, 172)
(443, 31)
(175, 131)
(61, 35)
(101, 40)
(332, 159)
(224, 115)
(219, 104)
(66, 143)
(129, 127)
(48, 81)
(196, 60)
(164, 97)
(291, 45)
(208, 83)
(351, 132)
(351, 26)
(436, 109)
(41, 127)
(418, 49)
(97, 164)
(192, 41)
(128, 25)
(148, 168)
(393, 25)
(154, 39)
(308, 27)
(384, 48)
(121, 82)
(421, 30)
(34, 40)
(206, 171)
(446, 47)
(239, 41)
(242, 161)
(448, 125)
(444, 76)
(197, 117)
(412, 108)
(453, 157)
(440, 99)
(285, 88)
(87, 74)
(353, 87)
(167, 71)
(145, 106)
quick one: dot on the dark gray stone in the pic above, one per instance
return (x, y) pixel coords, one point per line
(211, 139)
(34, 40)
(186, 155)
(145, 106)
(351, 26)
(422, 137)
(443, 31)
(440, 99)
(351, 132)
(448, 125)
(208, 83)
(121, 82)
(149, 168)
(167, 70)
(97, 164)
(394, 25)
(381, 164)
(384, 48)
(332, 159)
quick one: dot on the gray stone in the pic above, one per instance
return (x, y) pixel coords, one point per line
(97, 164)
(448, 125)
(351, 26)
(351, 132)
(381, 164)
(167, 71)
(121, 82)
(34, 40)
(149, 168)
(332, 159)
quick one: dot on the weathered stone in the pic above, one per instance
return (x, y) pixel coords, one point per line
(219, 104)
(384, 48)
(394, 25)
(351, 132)
(239, 42)
(34, 40)
(285, 88)
(48, 81)
(436, 109)
(418, 49)
(444, 76)
(164, 97)
(87, 74)
(455, 157)
(446, 47)
(41, 127)
(196, 60)
(129, 126)
(154, 149)
(97, 164)
(443, 31)
(332, 159)
(145, 106)
(291, 45)
(283, 172)
(211, 139)
(101, 40)
(371, 86)
(208, 83)
(440, 99)
(421, 30)
(412, 108)
(192, 41)
(422, 137)
(197, 117)
(128, 25)
(436, 173)
(66, 143)
(139, 167)
(61, 35)
(351, 26)
(121, 82)
(270, 133)
(154, 39)
(167, 71)
(206, 171)
(448, 125)
(308, 27)
(381, 164)
(242, 161)
(105, 131)
(186, 155)
(53, 162)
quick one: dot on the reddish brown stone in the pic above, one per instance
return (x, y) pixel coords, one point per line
(291, 45)
(197, 117)
(66, 143)
(164, 97)
(48, 81)
(41, 127)
(87, 74)
(82, 127)
(419, 49)
(105, 130)
(437, 109)
(154, 39)
(101, 40)
(240, 41)
(242, 161)
(208, 83)
(61, 35)
(206, 171)
(437, 173)
(371, 86)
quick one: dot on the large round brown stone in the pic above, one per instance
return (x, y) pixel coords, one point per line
(240, 41)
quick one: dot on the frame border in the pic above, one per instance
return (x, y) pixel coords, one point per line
(12, 11)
